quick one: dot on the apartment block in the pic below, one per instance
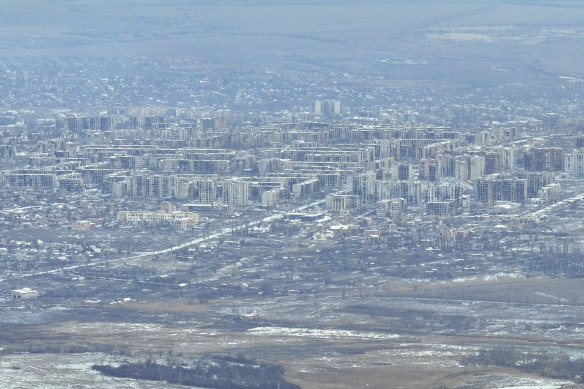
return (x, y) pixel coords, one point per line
(493, 188)
(545, 159)
(235, 192)
(574, 163)
(344, 203)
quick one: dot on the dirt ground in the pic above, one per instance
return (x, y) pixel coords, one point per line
(398, 334)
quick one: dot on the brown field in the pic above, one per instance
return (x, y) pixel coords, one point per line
(186, 306)
(379, 334)
(327, 351)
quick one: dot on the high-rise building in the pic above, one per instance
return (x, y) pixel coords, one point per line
(235, 192)
(574, 163)
(326, 107)
(545, 160)
(493, 188)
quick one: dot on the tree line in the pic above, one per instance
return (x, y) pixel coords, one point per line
(214, 372)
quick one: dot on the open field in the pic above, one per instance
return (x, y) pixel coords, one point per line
(333, 313)
(404, 341)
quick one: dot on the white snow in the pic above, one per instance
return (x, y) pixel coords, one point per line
(318, 333)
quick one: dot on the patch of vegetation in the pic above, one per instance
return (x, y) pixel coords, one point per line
(223, 372)
(544, 364)
(414, 319)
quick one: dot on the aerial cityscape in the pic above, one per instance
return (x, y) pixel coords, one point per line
(297, 194)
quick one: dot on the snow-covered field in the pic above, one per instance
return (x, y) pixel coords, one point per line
(319, 333)
(514, 382)
(64, 371)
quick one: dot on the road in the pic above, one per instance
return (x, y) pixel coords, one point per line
(222, 232)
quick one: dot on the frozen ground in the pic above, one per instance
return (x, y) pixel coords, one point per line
(514, 382)
(64, 371)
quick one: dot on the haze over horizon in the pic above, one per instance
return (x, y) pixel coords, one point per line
(445, 40)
